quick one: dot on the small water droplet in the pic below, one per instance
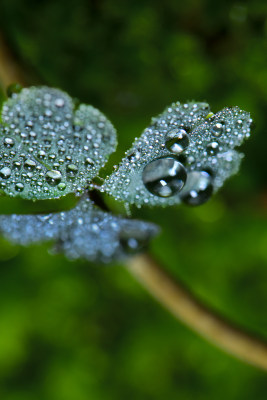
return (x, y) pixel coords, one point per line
(30, 164)
(72, 168)
(164, 177)
(218, 129)
(61, 186)
(19, 187)
(41, 154)
(5, 173)
(177, 141)
(16, 165)
(9, 142)
(198, 188)
(213, 148)
(53, 177)
(89, 161)
(59, 103)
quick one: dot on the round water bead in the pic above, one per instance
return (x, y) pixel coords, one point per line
(9, 142)
(213, 148)
(198, 188)
(5, 172)
(218, 129)
(177, 141)
(164, 176)
(53, 177)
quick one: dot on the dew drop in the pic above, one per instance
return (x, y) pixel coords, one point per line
(30, 164)
(5, 173)
(53, 177)
(19, 187)
(164, 177)
(198, 188)
(72, 168)
(16, 165)
(178, 141)
(59, 103)
(217, 129)
(9, 142)
(213, 148)
(41, 154)
(131, 245)
(89, 161)
(61, 186)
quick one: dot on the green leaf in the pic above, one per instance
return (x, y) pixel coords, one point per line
(49, 150)
(184, 155)
(83, 232)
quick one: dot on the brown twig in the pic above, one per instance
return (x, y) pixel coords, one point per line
(9, 70)
(187, 308)
(168, 291)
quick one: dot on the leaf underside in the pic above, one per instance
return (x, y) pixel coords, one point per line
(83, 232)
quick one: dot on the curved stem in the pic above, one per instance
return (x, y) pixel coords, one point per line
(188, 309)
(169, 292)
(9, 70)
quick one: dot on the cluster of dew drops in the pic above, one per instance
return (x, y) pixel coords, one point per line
(46, 149)
(185, 155)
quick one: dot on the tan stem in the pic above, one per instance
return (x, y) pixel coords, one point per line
(188, 309)
(9, 70)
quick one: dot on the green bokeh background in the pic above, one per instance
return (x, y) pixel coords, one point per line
(77, 331)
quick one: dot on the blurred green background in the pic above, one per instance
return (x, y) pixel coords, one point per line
(75, 331)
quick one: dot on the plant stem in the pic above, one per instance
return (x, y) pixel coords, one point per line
(9, 70)
(168, 291)
(187, 308)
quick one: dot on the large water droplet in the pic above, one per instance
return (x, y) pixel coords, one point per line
(9, 142)
(19, 187)
(41, 154)
(59, 102)
(213, 148)
(198, 188)
(29, 164)
(17, 165)
(218, 129)
(164, 177)
(89, 161)
(61, 186)
(53, 177)
(5, 173)
(72, 168)
(177, 141)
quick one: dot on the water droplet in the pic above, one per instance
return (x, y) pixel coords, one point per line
(29, 164)
(5, 173)
(59, 102)
(89, 161)
(178, 141)
(53, 177)
(198, 188)
(164, 177)
(16, 165)
(131, 245)
(9, 142)
(41, 154)
(72, 168)
(218, 129)
(19, 187)
(61, 186)
(213, 148)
